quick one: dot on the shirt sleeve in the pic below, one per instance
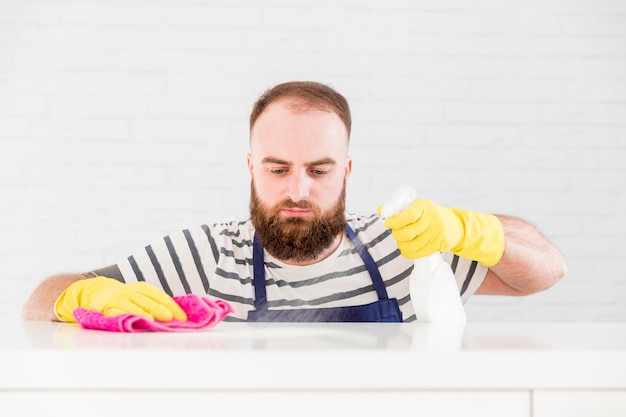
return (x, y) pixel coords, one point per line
(111, 271)
(469, 274)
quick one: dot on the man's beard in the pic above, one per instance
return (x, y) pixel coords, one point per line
(296, 238)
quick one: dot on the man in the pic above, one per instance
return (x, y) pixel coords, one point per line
(301, 256)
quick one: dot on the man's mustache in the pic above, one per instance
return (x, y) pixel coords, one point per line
(304, 204)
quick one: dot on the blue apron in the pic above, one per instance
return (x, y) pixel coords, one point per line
(383, 310)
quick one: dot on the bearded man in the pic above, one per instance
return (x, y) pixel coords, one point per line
(301, 256)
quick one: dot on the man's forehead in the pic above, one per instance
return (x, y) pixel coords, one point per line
(286, 132)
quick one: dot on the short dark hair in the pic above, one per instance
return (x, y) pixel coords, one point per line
(306, 93)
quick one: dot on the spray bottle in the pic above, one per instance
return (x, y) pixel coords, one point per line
(432, 285)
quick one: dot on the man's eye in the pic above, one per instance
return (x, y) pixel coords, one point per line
(278, 171)
(319, 172)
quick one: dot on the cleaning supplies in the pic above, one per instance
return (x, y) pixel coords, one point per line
(432, 285)
(202, 313)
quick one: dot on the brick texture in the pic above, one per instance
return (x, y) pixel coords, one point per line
(121, 121)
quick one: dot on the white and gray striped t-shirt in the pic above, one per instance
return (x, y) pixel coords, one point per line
(216, 260)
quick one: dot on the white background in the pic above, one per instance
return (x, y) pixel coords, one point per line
(121, 121)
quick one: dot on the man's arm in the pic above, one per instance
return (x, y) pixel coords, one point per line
(40, 304)
(521, 260)
(529, 264)
(102, 290)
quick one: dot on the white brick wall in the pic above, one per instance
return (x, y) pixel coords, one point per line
(123, 120)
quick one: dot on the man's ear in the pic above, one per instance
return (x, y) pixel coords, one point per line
(348, 166)
(249, 161)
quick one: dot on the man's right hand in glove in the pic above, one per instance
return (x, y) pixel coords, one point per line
(111, 297)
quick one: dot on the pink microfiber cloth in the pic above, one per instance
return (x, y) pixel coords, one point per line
(202, 313)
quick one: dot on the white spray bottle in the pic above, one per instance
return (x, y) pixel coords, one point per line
(432, 285)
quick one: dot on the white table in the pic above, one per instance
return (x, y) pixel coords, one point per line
(280, 369)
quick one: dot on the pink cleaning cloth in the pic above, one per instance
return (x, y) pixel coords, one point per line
(202, 313)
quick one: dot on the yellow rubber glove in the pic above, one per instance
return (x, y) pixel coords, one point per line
(111, 297)
(425, 228)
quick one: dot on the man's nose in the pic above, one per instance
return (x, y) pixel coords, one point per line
(299, 187)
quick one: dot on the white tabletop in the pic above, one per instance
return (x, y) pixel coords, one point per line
(45, 355)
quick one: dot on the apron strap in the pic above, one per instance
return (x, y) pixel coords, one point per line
(258, 263)
(377, 279)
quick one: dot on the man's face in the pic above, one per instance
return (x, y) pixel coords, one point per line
(299, 166)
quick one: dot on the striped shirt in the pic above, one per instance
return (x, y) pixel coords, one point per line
(216, 260)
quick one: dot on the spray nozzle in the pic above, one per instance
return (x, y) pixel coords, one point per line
(399, 200)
